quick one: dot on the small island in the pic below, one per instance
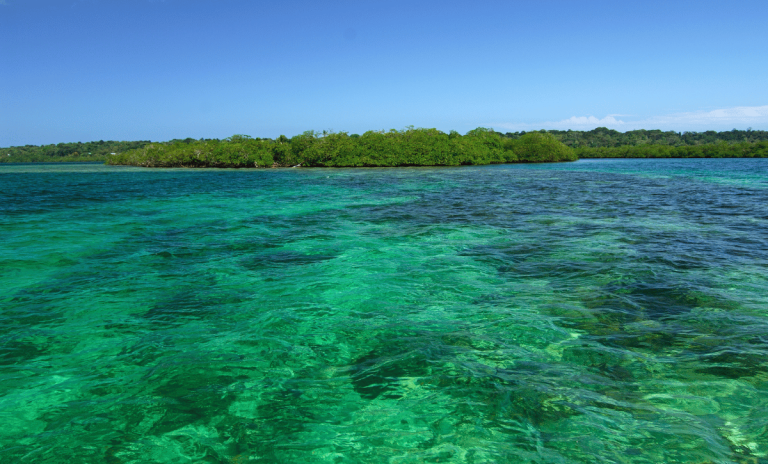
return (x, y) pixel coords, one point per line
(408, 147)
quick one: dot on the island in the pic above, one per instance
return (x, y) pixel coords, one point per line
(408, 147)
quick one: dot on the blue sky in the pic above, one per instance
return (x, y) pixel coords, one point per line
(82, 70)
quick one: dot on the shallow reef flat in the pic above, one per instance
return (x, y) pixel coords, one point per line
(601, 310)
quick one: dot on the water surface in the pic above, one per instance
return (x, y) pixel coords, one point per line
(599, 311)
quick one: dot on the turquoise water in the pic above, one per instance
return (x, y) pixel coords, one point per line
(610, 311)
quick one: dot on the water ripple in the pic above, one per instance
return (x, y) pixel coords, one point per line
(610, 310)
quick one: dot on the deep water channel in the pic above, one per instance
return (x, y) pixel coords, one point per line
(608, 311)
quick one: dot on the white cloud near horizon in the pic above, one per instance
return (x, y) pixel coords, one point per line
(740, 117)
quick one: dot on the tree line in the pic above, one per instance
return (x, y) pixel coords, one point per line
(408, 147)
(721, 149)
(603, 137)
(76, 151)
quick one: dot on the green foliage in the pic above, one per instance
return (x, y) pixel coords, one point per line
(408, 147)
(289, 154)
(541, 147)
(604, 137)
(66, 152)
(233, 152)
(720, 149)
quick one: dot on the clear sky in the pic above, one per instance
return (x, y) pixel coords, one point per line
(82, 70)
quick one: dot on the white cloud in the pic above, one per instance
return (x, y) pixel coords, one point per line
(574, 122)
(739, 117)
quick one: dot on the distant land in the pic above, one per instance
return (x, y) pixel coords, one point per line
(407, 147)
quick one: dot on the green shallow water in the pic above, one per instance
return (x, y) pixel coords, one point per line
(608, 311)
